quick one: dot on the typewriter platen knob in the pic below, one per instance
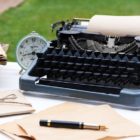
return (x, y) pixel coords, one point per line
(28, 47)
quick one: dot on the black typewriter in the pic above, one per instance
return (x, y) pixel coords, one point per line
(88, 66)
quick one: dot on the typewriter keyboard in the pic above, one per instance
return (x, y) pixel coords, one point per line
(88, 70)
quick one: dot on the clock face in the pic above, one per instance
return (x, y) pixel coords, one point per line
(27, 49)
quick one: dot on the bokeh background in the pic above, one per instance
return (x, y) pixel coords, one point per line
(38, 15)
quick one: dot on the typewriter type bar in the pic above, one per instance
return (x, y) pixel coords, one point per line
(92, 75)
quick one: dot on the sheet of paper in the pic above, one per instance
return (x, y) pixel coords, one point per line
(13, 102)
(16, 132)
(114, 25)
(118, 126)
(12, 136)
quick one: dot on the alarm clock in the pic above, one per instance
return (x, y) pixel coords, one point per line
(28, 47)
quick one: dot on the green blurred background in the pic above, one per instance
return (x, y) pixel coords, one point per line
(38, 15)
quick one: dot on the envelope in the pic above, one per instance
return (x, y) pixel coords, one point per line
(118, 127)
(13, 102)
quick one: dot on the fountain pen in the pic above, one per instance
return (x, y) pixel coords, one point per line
(71, 124)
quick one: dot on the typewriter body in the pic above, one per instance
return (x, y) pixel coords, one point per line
(88, 66)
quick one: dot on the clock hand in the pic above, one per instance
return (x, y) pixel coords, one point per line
(32, 53)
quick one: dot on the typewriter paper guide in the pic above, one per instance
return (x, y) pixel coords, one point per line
(115, 25)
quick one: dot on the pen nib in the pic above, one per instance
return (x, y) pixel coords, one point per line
(103, 128)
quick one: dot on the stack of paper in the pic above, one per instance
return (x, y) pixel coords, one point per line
(29, 129)
(13, 102)
(3, 56)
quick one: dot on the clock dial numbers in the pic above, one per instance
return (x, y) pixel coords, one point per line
(23, 57)
(27, 49)
(38, 44)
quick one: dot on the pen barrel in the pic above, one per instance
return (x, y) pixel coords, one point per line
(62, 124)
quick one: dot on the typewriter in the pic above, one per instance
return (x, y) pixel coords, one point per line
(89, 66)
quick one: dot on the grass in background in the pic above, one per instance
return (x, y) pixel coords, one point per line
(38, 15)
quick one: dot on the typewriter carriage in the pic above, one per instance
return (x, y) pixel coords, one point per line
(74, 36)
